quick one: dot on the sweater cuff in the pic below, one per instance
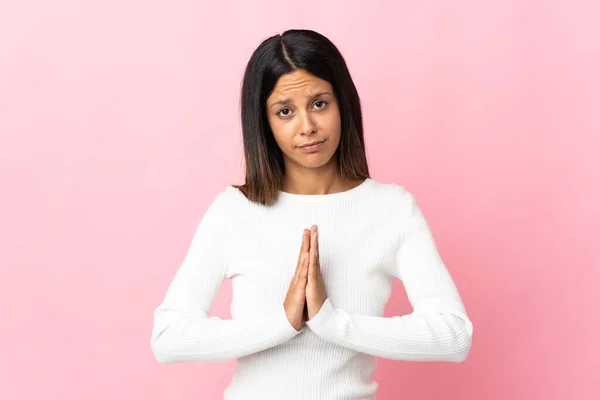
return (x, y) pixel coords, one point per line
(288, 329)
(317, 323)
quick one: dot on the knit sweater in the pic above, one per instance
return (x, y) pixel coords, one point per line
(368, 236)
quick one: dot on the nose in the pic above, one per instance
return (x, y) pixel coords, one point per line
(308, 126)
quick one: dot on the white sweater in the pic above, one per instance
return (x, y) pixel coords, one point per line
(368, 236)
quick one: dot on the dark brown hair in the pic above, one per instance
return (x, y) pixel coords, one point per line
(276, 56)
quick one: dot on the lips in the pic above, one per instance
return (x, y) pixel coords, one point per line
(312, 143)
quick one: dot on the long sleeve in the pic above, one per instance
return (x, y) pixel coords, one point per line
(438, 329)
(182, 330)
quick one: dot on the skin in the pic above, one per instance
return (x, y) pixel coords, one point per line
(303, 109)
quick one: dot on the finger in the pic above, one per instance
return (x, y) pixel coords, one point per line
(304, 270)
(306, 241)
(314, 254)
(300, 257)
(305, 246)
(303, 257)
(314, 245)
(317, 244)
(298, 273)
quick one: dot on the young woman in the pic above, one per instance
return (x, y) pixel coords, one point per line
(312, 245)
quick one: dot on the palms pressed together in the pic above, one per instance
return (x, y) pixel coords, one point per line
(316, 294)
(306, 293)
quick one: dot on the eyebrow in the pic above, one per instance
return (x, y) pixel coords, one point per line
(288, 101)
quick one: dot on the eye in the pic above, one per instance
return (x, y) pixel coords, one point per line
(320, 103)
(284, 112)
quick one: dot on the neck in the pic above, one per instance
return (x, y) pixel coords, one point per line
(323, 180)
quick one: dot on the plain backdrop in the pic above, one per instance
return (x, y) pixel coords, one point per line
(119, 123)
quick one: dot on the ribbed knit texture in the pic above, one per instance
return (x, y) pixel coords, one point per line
(368, 236)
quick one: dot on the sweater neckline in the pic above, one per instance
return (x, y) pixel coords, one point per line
(324, 197)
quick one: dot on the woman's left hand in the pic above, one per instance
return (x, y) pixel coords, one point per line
(315, 287)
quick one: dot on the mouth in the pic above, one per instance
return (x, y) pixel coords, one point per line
(311, 144)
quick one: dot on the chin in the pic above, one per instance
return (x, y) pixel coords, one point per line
(314, 161)
(311, 160)
(314, 165)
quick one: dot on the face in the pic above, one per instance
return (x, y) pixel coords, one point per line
(304, 116)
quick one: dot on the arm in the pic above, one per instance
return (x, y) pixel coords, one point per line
(438, 329)
(182, 330)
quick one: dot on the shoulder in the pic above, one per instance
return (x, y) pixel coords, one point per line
(230, 204)
(395, 195)
(219, 215)
(227, 200)
(401, 208)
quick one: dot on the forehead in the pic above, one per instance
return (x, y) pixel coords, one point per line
(299, 83)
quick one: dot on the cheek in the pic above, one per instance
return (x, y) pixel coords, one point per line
(282, 133)
(333, 126)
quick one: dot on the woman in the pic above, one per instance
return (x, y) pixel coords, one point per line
(309, 324)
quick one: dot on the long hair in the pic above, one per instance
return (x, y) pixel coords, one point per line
(276, 56)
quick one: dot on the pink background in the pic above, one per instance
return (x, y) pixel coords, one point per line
(119, 123)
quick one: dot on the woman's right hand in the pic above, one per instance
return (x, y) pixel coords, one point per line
(295, 300)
